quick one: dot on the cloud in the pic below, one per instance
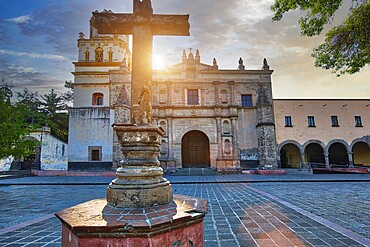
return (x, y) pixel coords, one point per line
(27, 76)
(33, 55)
(58, 24)
(19, 19)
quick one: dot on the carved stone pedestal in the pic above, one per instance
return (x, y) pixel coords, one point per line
(94, 223)
(139, 181)
(140, 210)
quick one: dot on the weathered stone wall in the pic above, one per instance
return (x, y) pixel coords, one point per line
(90, 127)
(54, 152)
(5, 163)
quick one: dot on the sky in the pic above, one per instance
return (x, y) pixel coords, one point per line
(38, 43)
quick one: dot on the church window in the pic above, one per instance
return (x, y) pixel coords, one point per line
(164, 126)
(227, 146)
(162, 96)
(247, 100)
(311, 121)
(288, 121)
(358, 121)
(110, 56)
(99, 54)
(193, 97)
(87, 56)
(334, 121)
(163, 148)
(226, 127)
(97, 99)
(224, 97)
(95, 153)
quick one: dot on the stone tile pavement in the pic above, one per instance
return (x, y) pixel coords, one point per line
(235, 178)
(240, 214)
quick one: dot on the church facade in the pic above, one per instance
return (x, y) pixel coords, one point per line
(216, 118)
(223, 119)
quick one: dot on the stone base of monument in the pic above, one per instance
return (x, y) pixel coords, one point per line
(94, 223)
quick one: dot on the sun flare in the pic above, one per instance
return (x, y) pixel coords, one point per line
(158, 62)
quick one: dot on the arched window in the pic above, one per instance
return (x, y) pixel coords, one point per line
(97, 99)
(164, 126)
(99, 54)
(110, 56)
(226, 127)
(87, 56)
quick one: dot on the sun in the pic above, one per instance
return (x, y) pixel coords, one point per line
(158, 62)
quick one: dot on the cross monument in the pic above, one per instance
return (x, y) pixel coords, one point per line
(140, 181)
(143, 25)
(140, 209)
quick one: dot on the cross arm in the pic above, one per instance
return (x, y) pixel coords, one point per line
(111, 23)
(170, 25)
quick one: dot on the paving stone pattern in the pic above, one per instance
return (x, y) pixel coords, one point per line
(346, 204)
(238, 216)
(61, 180)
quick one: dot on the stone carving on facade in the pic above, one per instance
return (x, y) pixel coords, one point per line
(241, 64)
(122, 99)
(141, 110)
(265, 65)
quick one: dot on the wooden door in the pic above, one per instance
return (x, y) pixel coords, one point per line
(195, 150)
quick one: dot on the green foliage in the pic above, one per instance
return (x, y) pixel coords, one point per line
(14, 128)
(346, 47)
(31, 104)
(54, 108)
(28, 113)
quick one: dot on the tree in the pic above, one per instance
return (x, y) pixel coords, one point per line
(68, 96)
(6, 91)
(13, 127)
(346, 48)
(55, 108)
(30, 102)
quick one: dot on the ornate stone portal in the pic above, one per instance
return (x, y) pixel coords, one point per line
(141, 209)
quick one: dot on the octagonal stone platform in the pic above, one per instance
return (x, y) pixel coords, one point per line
(94, 223)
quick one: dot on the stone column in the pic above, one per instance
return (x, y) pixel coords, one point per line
(219, 139)
(139, 181)
(170, 137)
(350, 159)
(303, 163)
(327, 164)
(168, 84)
(232, 98)
(234, 127)
(217, 97)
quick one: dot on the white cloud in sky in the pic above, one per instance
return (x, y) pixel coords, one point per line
(32, 55)
(20, 19)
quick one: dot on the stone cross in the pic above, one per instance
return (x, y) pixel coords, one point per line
(143, 25)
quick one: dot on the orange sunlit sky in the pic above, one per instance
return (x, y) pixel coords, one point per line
(38, 43)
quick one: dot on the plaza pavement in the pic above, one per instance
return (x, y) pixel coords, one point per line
(244, 210)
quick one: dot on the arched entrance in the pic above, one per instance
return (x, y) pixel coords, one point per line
(338, 154)
(32, 161)
(361, 154)
(290, 156)
(314, 153)
(195, 150)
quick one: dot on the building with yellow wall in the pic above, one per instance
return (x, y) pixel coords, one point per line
(325, 131)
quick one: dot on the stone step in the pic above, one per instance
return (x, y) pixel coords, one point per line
(293, 171)
(195, 172)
